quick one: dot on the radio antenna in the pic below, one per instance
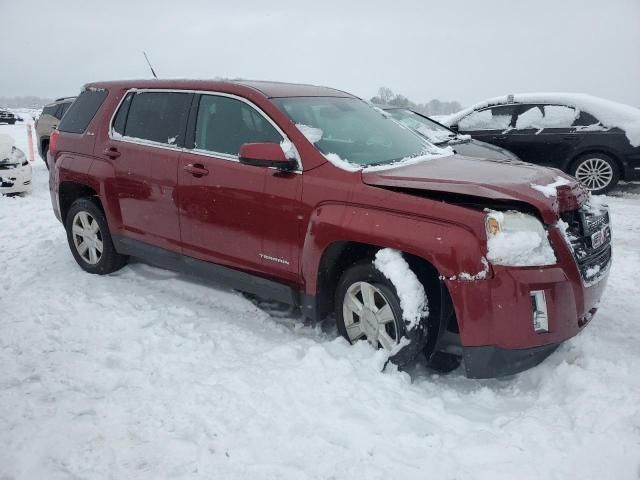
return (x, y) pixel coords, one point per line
(149, 63)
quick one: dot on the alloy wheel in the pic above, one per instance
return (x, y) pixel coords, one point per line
(594, 173)
(368, 315)
(87, 237)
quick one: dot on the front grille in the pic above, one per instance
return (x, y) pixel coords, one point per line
(589, 234)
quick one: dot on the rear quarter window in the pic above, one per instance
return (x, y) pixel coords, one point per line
(82, 111)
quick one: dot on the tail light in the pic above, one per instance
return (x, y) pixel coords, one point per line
(53, 140)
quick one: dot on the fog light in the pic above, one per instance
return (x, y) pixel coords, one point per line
(539, 307)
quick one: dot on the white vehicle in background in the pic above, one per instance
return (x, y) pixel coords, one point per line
(15, 171)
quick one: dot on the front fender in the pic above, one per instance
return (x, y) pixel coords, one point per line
(449, 247)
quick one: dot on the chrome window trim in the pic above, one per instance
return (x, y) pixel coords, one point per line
(207, 153)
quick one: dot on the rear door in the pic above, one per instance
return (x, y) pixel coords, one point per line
(238, 215)
(144, 149)
(491, 124)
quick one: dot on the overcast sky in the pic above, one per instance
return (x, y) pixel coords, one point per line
(465, 50)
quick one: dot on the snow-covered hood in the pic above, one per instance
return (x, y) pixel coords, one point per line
(507, 180)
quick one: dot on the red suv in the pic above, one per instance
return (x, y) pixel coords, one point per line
(309, 195)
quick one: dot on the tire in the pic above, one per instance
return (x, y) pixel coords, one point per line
(87, 225)
(598, 172)
(388, 326)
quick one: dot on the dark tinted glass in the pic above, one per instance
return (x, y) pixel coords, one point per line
(224, 124)
(121, 117)
(82, 111)
(65, 107)
(158, 116)
(50, 110)
(585, 119)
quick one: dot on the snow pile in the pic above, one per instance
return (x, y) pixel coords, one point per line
(610, 114)
(551, 116)
(551, 189)
(427, 154)
(481, 275)
(312, 134)
(413, 298)
(6, 146)
(517, 246)
(289, 149)
(335, 159)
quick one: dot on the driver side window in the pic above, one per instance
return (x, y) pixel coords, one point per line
(225, 123)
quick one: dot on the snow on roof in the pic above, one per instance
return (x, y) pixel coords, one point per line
(610, 114)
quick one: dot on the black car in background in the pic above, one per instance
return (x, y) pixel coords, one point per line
(7, 117)
(595, 140)
(442, 136)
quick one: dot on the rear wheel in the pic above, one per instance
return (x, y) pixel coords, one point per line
(597, 172)
(368, 308)
(89, 238)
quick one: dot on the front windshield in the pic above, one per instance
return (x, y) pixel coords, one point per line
(429, 129)
(353, 130)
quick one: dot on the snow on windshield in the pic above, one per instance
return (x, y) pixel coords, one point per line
(313, 134)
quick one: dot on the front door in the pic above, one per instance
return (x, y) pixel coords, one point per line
(227, 208)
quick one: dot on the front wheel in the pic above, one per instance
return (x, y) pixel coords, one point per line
(89, 238)
(596, 171)
(367, 308)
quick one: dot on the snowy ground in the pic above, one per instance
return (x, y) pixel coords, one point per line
(149, 374)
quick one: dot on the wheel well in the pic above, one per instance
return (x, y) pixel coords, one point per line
(608, 153)
(69, 192)
(339, 256)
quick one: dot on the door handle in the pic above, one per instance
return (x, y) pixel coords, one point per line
(500, 137)
(111, 152)
(197, 169)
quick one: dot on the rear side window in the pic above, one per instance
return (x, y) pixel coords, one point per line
(156, 116)
(82, 111)
(49, 110)
(224, 124)
(120, 121)
(494, 118)
(546, 116)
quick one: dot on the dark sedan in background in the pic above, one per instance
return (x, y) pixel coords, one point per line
(442, 136)
(595, 140)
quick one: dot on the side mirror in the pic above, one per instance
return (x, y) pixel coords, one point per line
(266, 155)
(454, 128)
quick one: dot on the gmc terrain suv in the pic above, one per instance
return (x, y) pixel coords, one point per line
(308, 195)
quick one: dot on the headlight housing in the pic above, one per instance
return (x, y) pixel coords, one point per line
(517, 239)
